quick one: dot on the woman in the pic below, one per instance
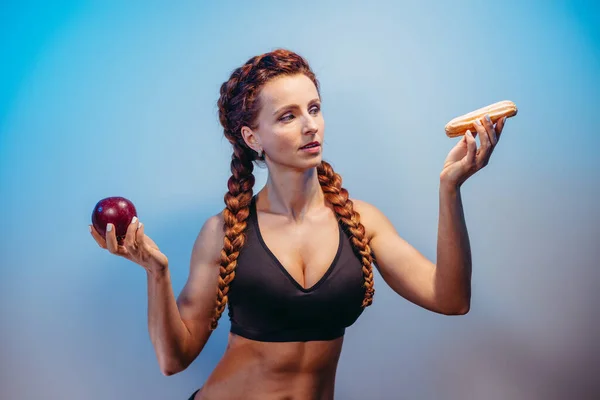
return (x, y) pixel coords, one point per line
(294, 262)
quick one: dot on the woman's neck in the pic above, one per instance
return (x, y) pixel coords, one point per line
(293, 193)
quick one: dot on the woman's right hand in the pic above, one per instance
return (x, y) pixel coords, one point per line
(136, 247)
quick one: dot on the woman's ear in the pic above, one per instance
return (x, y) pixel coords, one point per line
(251, 138)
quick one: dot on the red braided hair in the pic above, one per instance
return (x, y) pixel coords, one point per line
(238, 107)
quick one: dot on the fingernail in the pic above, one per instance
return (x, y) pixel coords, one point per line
(134, 220)
(108, 227)
(478, 122)
(488, 118)
(90, 228)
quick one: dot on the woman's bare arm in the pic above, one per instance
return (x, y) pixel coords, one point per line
(179, 329)
(444, 288)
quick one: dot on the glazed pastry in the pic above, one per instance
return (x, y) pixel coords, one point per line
(459, 125)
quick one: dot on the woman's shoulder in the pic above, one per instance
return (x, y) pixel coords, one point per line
(209, 240)
(371, 217)
(369, 214)
(364, 208)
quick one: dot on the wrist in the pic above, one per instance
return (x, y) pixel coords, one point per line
(157, 272)
(449, 186)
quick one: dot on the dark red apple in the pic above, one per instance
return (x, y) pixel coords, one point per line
(115, 210)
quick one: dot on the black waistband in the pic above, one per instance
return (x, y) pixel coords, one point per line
(295, 335)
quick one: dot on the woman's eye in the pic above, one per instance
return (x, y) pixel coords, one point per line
(289, 116)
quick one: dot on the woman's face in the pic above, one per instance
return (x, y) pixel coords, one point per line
(289, 119)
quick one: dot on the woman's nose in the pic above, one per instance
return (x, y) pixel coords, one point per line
(310, 125)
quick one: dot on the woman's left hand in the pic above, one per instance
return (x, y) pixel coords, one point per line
(465, 159)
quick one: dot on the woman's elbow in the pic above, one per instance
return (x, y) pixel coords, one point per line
(169, 367)
(460, 310)
(171, 370)
(455, 308)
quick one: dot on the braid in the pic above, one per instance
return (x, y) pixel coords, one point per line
(238, 107)
(235, 214)
(331, 184)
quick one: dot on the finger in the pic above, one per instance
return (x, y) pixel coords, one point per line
(485, 145)
(129, 241)
(470, 158)
(489, 128)
(480, 130)
(484, 139)
(139, 236)
(97, 237)
(499, 127)
(111, 239)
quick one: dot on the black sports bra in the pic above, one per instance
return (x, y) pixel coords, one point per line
(267, 304)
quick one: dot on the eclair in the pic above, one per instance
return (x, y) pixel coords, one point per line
(459, 125)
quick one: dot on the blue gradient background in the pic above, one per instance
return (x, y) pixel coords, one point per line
(106, 98)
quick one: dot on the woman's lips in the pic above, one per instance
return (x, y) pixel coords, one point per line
(310, 145)
(312, 148)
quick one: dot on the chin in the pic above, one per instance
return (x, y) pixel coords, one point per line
(303, 164)
(313, 162)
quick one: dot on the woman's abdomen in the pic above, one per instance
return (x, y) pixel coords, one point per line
(296, 370)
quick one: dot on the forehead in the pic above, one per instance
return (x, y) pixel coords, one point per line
(297, 89)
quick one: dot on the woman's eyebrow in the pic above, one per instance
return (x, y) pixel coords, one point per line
(293, 106)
